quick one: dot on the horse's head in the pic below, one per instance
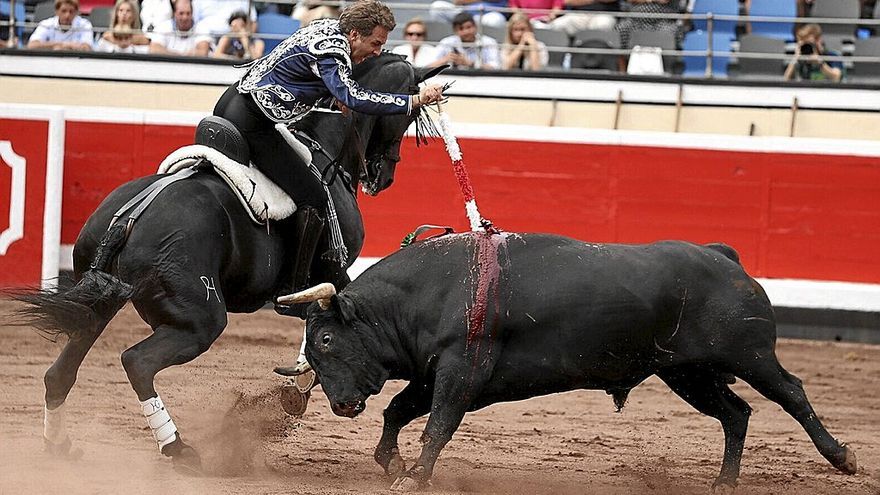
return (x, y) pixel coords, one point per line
(387, 73)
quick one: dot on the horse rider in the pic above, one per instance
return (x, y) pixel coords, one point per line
(314, 63)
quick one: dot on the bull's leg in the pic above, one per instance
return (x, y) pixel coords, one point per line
(708, 393)
(168, 346)
(770, 379)
(59, 380)
(450, 401)
(412, 402)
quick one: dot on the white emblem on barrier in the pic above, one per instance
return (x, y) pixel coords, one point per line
(210, 286)
(16, 196)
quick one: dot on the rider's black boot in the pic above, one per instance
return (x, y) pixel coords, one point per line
(302, 242)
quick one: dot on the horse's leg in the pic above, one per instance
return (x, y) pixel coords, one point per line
(169, 345)
(59, 379)
(412, 402)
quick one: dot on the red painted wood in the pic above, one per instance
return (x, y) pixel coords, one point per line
(21, 265)
(788, 215)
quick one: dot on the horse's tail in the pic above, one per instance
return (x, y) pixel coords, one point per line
(86, 307)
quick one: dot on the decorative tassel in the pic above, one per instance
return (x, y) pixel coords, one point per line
(478, 223)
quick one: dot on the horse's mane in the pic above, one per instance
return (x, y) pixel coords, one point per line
(424, 125)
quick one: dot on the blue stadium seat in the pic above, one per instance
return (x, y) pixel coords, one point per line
(774, 8)
(725, 29)
(277, 25)
(695, 65)
(19, 17)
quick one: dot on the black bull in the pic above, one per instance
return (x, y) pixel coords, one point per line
(475, 319)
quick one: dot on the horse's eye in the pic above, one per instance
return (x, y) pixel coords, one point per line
(325, 339)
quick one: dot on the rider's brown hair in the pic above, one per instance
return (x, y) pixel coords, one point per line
(364, 15)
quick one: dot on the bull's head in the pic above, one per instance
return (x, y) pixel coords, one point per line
(341, 349)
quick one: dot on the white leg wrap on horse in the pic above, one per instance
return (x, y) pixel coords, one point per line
(55, 424)
(159, 420)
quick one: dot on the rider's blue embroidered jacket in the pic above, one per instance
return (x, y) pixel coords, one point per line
(313, 63)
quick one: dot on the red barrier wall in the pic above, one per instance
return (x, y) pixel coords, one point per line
(789, 215)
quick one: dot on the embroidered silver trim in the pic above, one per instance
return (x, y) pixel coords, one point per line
(357, 92)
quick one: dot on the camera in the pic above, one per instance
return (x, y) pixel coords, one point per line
(808, 49)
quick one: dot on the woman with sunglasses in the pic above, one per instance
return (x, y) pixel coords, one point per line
(416, 51)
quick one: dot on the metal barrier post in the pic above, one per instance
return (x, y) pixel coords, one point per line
(10, 40)
(710, 31)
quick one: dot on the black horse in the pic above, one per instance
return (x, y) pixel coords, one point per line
(195, 255)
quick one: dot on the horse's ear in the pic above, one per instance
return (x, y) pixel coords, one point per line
(425, 73)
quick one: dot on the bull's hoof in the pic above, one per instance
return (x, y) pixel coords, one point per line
(396, 466)
(724, 485)
(390, 461)
(294, 401)
(63, 450)
(405, 484)
(414, 480)
(723, 489)
(187, 462)
(849, 465)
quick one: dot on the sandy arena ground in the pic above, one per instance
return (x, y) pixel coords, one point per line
(225, 404)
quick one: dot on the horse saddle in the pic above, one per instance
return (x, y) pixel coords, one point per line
(222, 147)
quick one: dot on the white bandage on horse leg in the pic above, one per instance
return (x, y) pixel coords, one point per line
(159, 420)
(55, 424)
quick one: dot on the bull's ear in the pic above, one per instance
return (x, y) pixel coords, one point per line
(344, 307)
(425, 73)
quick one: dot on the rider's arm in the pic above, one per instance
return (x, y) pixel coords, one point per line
(336, 75)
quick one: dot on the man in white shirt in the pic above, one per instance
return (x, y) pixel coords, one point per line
(66, 31)
(179, 35)
(466, 48)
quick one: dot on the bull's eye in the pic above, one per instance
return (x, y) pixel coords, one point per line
(325, 339)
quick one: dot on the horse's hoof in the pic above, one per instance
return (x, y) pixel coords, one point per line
(293, 401)
(63, 450)
(187, 462)
(849, 465)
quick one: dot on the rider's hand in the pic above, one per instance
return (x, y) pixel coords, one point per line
(429, 94)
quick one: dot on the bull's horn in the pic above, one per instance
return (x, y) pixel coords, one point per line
(321, 293)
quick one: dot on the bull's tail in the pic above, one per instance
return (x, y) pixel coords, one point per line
(87, 306)
(726, 250)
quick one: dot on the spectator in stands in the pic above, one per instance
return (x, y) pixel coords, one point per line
(467, 48)
(485, 12)
(240, 43)
(540, 12)
(155, 12)
(521, 50)
(307, 11)
(415, 50)
(179, 35)
(65, 31)
(626, 26)
(587, 14)
(125, 34)
(807, 63)
(212, 16)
